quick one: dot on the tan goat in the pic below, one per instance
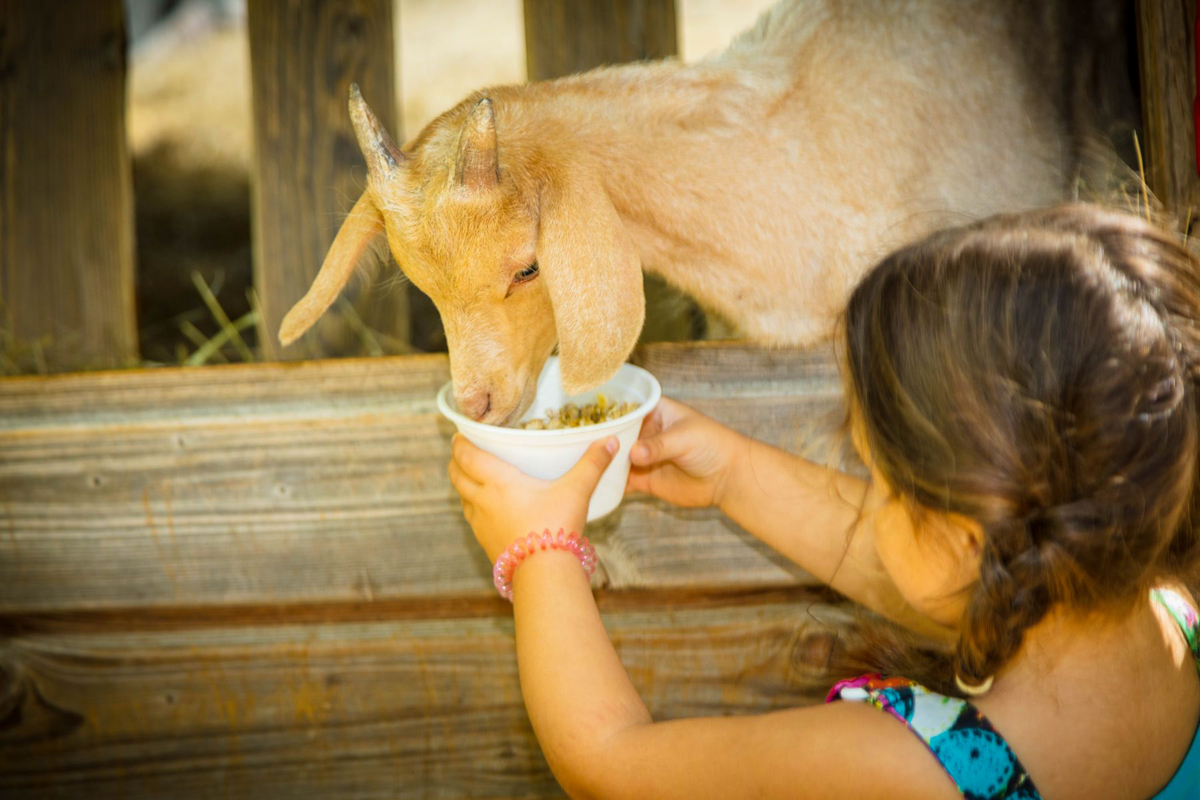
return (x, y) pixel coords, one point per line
(763, 181)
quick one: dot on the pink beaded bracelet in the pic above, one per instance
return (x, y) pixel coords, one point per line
(518, 551)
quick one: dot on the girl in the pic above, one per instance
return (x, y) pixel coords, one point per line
(1023, 392)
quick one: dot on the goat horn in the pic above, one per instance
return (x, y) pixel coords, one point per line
(362, 225)
(477, 166)
(382, 155)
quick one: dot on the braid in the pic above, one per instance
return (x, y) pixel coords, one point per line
(1163, 273)
(1025, 569)
(1037, 373)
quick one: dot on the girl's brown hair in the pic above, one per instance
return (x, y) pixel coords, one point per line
(1037, 373)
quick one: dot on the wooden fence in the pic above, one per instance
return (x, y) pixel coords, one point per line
(255, 580)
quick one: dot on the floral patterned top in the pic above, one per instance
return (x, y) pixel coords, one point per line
(975, 755)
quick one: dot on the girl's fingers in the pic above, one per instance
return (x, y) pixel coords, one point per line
(464, 483)
(662, 447)
(665, 416)
(651, 425)
(671, 411)
(667, 404)
(479, 465)
(587, 471)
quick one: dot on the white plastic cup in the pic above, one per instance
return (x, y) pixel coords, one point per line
(549, 454)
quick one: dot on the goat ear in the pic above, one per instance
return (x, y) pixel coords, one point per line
(477, 165)
(594, 278)
(383, 157)
(363, 225)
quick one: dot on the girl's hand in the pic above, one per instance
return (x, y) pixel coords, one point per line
(683, 456)
(501, 503)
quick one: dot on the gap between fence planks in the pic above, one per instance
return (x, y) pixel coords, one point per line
(308, 171)
(326, 482)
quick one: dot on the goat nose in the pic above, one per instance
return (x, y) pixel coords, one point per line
(476, 405)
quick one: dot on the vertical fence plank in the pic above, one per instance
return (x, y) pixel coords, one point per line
(304, 54)
(66, 197)
(1167, 56)
(562, 38)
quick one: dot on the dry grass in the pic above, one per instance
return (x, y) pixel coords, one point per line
(1110, 182)
(228, 344)
(20, 357)
(214, 337)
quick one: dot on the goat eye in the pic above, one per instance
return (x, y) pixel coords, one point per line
(527, 274)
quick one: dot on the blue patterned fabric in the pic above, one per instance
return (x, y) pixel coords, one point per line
(1185, 784)
(978, 760)
(975, 756)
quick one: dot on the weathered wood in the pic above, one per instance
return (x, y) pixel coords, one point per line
(304, 54)
(255, 581)
(563, 38)
(326, 481)
(382, 708)
(1167, 57)
(66, 197)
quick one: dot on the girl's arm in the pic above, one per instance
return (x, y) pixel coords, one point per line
(823, 520)
(593, 727)
(600, 742)
(820, 518)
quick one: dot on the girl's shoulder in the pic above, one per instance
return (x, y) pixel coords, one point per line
(964, 742)
(829, 750)
(960, 737)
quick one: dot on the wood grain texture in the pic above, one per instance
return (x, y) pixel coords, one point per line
(308, 170)
(255, 581)
(326, 481)
(566, 37)
(381, 708)
(66, 197)
(1167, 58)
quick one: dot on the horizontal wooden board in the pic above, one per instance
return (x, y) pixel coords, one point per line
(361, 708)
(325, 481)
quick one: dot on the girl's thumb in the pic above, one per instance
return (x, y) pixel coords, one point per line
(595, 460)
(660, 447)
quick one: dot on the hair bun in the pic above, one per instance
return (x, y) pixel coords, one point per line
(1163, 396)
(1043, 523)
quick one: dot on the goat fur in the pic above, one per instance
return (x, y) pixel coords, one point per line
(763, 181)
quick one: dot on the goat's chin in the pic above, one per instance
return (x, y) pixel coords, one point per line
(528, 393)
(504, 412)
(523, 405)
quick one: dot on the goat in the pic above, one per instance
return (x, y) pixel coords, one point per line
(763, 181)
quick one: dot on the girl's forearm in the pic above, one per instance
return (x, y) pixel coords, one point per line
(576, 691)
(820, 519)
(805, 511)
